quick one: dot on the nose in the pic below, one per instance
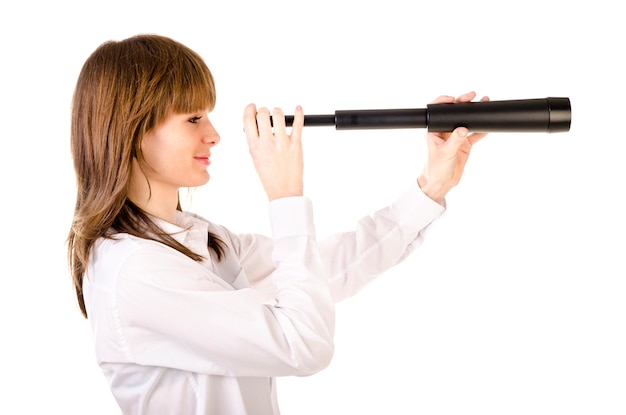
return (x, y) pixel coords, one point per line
(210, 134)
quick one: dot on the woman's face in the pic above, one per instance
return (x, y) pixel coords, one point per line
(177, 151)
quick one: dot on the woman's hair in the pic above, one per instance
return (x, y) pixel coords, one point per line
(126, 88)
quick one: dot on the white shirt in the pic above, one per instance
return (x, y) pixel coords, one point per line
(176, 336)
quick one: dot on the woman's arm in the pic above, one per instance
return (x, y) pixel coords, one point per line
(352, 259)
(379, 241)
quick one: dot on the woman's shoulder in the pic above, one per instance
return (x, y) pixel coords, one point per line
(117, 248)
(133, 257)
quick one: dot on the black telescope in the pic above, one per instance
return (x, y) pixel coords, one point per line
(547, 115)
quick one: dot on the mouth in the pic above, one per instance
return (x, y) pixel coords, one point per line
(205, 160)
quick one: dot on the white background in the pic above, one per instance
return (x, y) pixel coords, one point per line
(516, 302)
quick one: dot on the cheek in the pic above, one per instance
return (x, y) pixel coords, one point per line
(158, 153)
(166, 162)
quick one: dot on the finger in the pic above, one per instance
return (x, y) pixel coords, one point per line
(436, 138)
(249, 118)
(249, 123)
(456, 139)
(263, 122)
(476, 137)
(443, 99)
(278, 120)
(298, 123)
(466, 97)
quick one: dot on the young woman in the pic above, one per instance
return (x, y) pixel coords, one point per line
(187, 316)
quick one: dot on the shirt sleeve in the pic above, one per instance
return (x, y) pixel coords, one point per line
(379, 242)
(353, 259)
(168, 310)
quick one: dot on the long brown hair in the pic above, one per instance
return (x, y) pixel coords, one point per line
(126, 88)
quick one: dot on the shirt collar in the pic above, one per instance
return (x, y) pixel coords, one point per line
(186, 225)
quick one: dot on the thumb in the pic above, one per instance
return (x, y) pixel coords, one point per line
(456, 139)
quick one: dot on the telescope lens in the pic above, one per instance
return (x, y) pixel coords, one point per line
(560, 115)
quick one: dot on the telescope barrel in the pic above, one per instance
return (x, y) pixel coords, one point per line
(548, 115)
(525, 115)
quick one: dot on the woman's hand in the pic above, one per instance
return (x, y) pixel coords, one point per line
(447, 155)
(277, 156)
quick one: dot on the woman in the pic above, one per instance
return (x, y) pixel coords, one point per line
(188, 317)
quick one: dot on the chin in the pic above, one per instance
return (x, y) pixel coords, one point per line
(194, 183)
(201, 181)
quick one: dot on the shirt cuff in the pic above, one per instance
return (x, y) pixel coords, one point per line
(291, 216)
(413, 206)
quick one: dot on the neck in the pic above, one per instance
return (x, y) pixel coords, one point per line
(156, 199)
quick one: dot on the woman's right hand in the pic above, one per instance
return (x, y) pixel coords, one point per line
(277, 156)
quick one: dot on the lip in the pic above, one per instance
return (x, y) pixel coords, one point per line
(205, 160)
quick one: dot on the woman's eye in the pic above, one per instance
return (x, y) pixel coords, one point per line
(195, 120)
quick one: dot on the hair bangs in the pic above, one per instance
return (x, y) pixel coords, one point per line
(194, 85)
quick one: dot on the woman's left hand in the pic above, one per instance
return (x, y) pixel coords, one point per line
(447, 154)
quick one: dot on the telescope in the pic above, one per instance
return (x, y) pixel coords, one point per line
(547, 115)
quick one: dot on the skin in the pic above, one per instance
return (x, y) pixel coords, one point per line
(277, 155)
(176, 153)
